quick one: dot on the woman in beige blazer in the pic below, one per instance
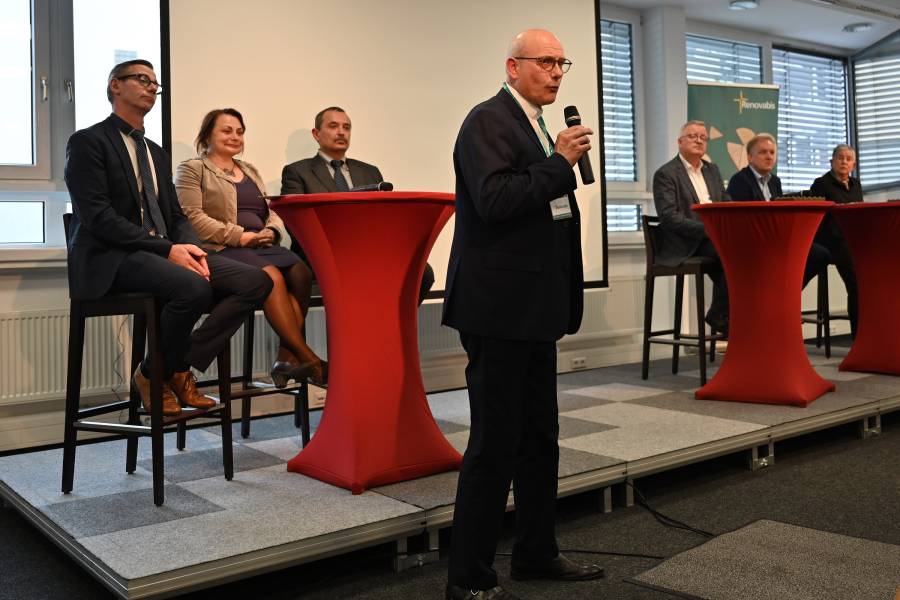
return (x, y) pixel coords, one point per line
(223, 199)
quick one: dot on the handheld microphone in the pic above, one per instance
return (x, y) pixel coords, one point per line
(384, 186)
(584, 163)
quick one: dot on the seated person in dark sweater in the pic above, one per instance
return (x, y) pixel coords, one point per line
(756, 181)
(839, 186)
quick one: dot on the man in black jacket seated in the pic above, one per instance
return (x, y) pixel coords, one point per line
(128, 234)
(838, 185)
(756, 181)
(317, 175)
(682, 182)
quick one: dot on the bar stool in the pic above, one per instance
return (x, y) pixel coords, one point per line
(696, 266)
(146, 310)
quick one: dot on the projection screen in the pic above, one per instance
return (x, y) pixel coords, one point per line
(406, 71)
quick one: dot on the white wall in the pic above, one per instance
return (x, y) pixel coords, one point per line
(407, 72)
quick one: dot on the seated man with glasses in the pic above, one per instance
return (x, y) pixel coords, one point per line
(682, 182)
(128, 234)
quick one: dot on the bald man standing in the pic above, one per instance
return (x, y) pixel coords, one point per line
(514, 287)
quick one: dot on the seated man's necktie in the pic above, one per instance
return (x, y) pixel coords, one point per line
(339, 179)
(153, 218)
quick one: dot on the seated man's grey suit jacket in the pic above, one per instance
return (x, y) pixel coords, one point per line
(681, 232)
(311, 176)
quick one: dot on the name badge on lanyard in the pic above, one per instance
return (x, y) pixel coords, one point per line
(560, 208)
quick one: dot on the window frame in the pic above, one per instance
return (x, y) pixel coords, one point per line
(854, 114)
(628, 190)
(41, 72)
(850, 100)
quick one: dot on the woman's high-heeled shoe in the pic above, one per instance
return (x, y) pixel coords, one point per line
(322, 378)
(283, 371)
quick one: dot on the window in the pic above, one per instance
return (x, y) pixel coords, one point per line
(876, 79)
(41, 102)
(722, 61)
(24, 79)
(618, 101)
(96, 55)
(812, 114)
(623, 217)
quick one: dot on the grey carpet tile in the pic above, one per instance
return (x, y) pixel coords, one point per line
(448, 427)
(867, 388)
(261, 511)
(617, 392)
(284, 448)
(575, 462)
(831, 373)
(99, 470)
(768, 560)
(644, 431)
(566, 401)
(268, 428)
(200, 464)
(450, 406)
(427, 493)
(569, 427)
(764, 414)
(126, 510)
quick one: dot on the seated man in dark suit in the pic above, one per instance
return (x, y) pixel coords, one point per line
(128, 234)
(682, 182)
(331, 171)
(838, 185)
(756, 181)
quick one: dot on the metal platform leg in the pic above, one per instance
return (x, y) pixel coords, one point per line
(870, 426)
(624, 494)
(404, 560)
(606, 500)
(760, 460)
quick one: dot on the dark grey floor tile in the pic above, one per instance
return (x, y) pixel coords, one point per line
(126, 510)
(201, 464)
(569, 428)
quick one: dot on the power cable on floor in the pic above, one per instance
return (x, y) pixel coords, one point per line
(667, 521)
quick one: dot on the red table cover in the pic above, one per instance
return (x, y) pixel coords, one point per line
(368, 251)
(871, 231)
(763, 248)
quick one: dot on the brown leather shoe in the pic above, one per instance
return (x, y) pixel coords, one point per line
(170, 407)
(185, 387)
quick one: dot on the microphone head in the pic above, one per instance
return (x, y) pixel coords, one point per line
(572, 116)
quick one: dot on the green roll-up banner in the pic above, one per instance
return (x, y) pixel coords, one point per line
(733, 113)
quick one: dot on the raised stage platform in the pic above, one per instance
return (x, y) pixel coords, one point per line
(613, 427)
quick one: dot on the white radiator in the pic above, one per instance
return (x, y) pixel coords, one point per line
(34, 350)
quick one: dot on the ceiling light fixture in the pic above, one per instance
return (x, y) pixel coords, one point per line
(743, 4)
(857, 27)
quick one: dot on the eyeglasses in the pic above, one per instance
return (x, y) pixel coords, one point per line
(548, 62)
(696, 136)
(143, 80)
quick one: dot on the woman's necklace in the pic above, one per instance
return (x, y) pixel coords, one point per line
(229, 172)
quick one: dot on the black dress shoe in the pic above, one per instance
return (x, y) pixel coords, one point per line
(455, 592)
(560, 569)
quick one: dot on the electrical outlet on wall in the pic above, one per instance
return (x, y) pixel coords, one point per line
(579, 362)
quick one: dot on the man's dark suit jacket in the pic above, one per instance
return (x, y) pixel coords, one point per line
(514, 272)
(681, 232)
(311, 176)
(743, 186)
(828, 187)
(106, 225)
